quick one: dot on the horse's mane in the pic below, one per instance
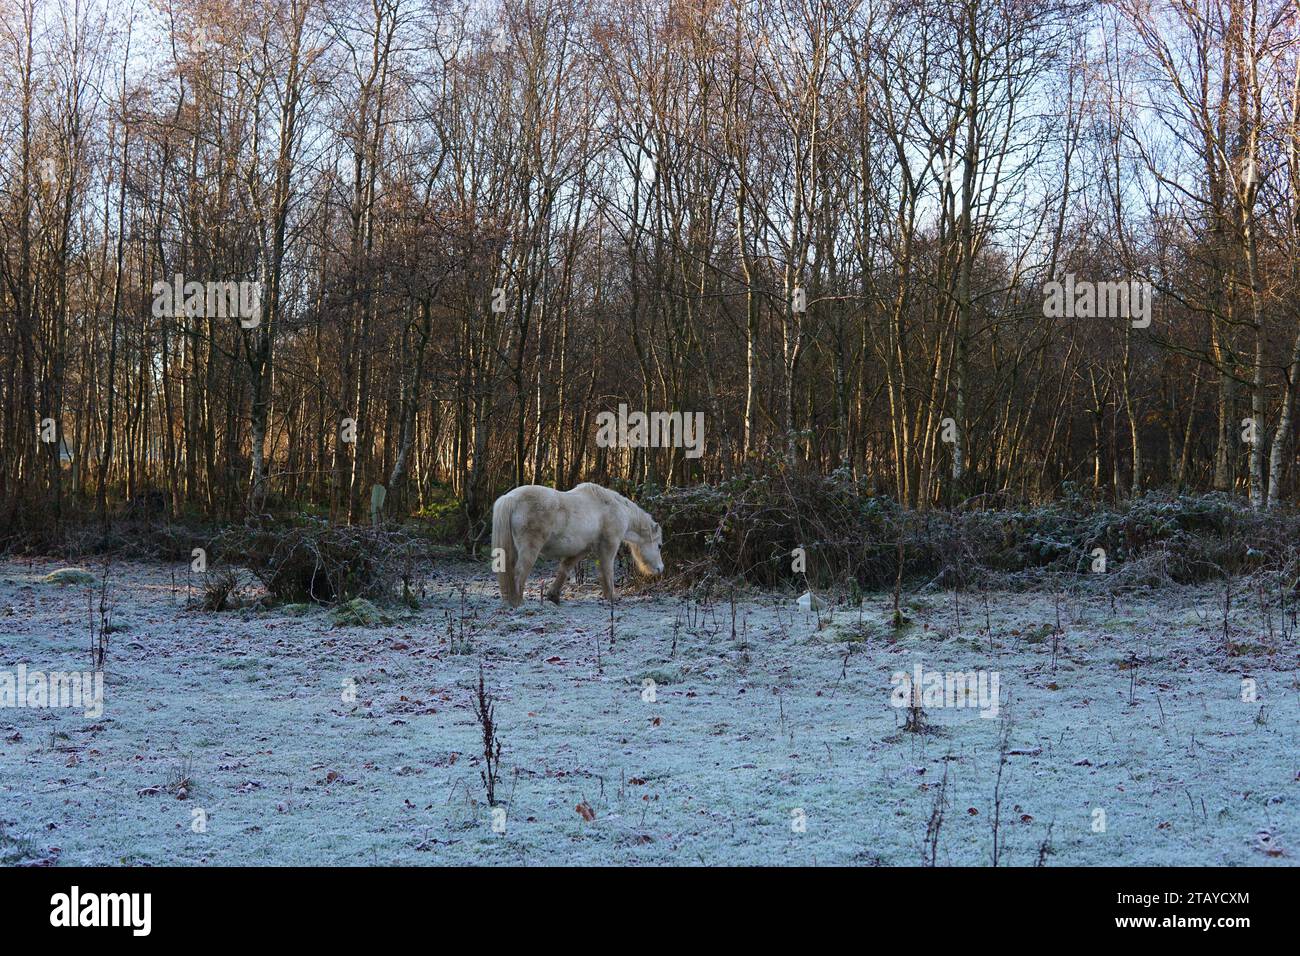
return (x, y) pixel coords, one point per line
(640, 518)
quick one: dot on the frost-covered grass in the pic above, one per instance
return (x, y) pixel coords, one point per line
(783, 719)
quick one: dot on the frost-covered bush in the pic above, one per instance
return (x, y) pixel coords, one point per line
(66, 576)
(318, 562)
(357, 613)
(748, 528)
(219, 590)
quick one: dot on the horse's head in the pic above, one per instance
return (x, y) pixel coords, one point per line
(646, 551)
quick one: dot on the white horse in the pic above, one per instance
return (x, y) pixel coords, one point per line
(533, 521)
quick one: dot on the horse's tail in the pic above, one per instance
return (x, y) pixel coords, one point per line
(503, 549)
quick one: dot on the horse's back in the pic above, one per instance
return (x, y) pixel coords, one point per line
(585, 503)
(533, 503)
(531, 491)
(597, 493)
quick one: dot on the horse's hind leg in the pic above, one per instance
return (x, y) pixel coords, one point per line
(561, 575)
(524, 562)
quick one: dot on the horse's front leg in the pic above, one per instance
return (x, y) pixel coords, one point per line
(607, 554)
(561, 575)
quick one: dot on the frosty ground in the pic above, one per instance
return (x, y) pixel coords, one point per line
(768, 735)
